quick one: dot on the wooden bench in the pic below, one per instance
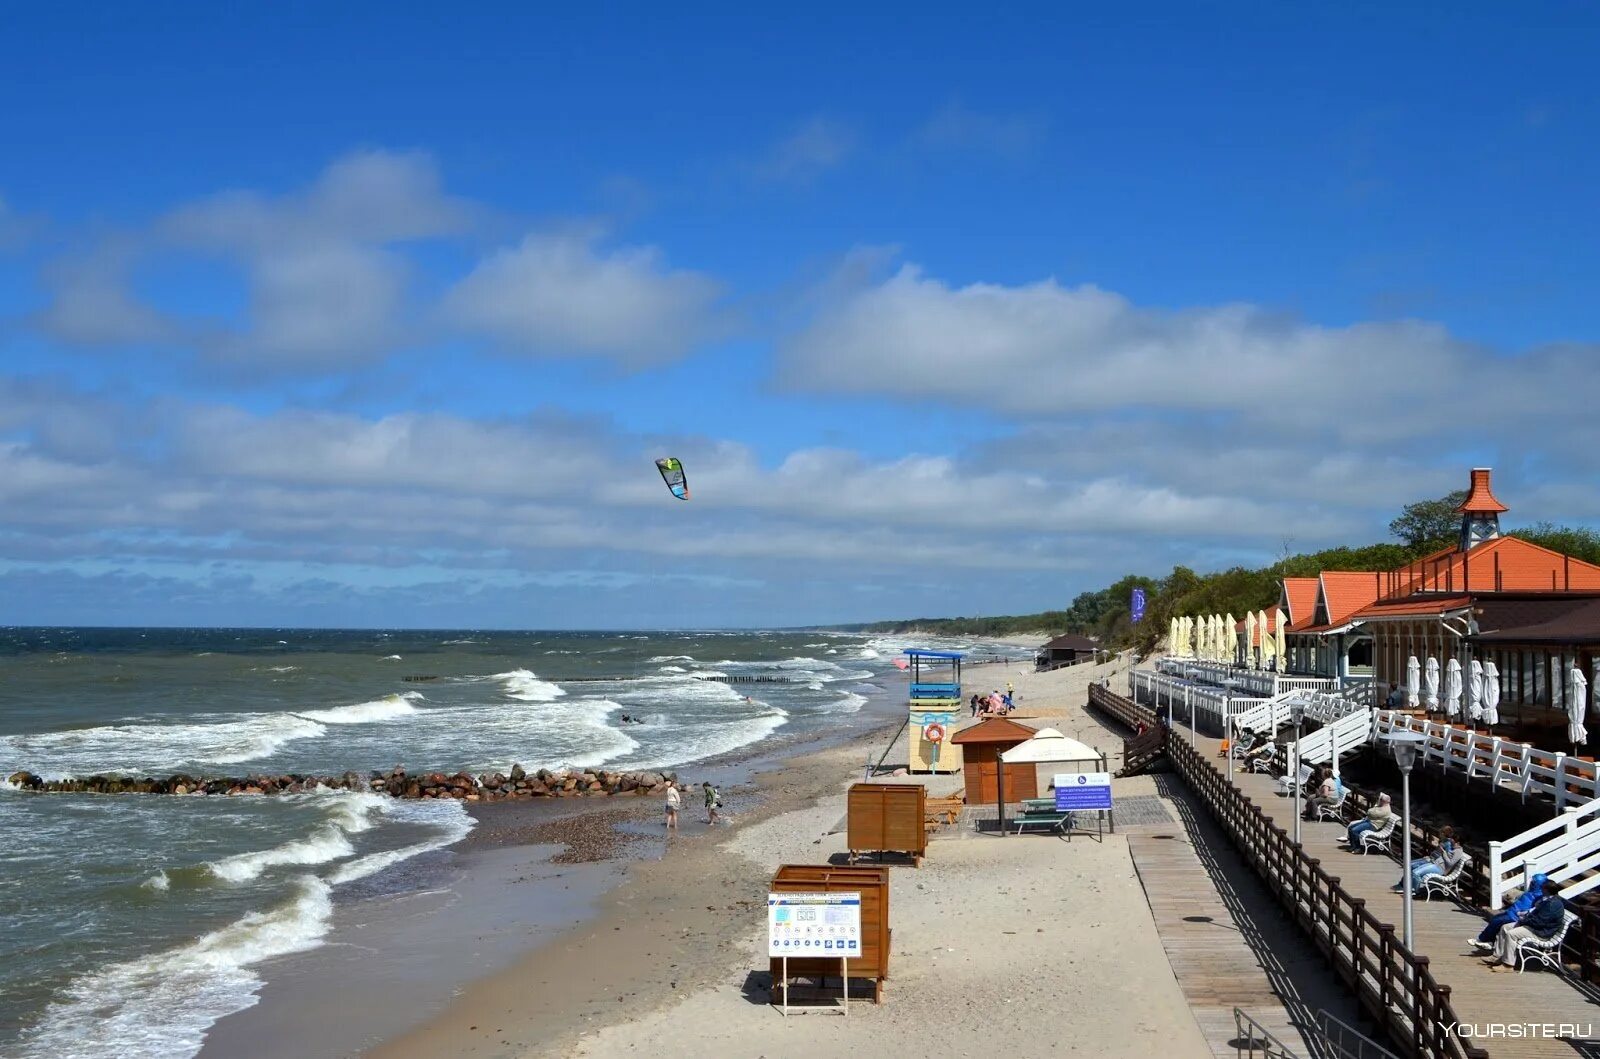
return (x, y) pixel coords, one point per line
(1054, 819)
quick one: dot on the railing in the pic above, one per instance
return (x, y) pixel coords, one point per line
(1141, 750)
(1346, 1042)
(1565, 780)
(1265, 715)
(1259, 682)
(1192, 700)
(1566, 847)
(1335, 740)
(1396, 986)
(1128, 712)
(1252, 1038)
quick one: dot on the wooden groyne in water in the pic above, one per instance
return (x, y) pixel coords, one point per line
(397, 783)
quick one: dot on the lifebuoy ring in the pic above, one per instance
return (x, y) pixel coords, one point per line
(934, 733)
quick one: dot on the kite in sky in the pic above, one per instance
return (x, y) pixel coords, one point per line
(672, 473)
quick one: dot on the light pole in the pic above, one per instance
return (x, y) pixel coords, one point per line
(1405, 746)
(1298, 711)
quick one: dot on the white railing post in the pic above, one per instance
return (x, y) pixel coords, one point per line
(1561, 780)
(1497, 889)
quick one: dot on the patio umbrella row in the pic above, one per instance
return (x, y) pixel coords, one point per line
(1480, 683)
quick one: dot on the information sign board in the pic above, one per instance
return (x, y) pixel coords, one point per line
(814, 924)
(1082, 790)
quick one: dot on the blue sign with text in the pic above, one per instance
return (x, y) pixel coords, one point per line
(1137, 605)
(1083, 790)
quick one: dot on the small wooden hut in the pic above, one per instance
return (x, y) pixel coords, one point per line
(981, 746)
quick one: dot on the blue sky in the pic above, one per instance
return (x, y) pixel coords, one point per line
(379, 316)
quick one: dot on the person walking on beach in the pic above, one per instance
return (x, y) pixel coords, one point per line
(674, 801)
(713, 802)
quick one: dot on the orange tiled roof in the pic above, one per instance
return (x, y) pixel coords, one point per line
(1481, 499)
(1344, 592)
(1300, 593)
(1506, 564)
(1410, 608)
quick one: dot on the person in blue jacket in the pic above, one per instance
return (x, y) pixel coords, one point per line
(1545, 921)
(1519, 908)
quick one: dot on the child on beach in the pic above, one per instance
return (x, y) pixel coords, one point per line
(713, 802)
(674, 800)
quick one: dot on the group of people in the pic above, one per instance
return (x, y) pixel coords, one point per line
(713, 797)
(1539, 913)
(1253, 745)
(993, 704)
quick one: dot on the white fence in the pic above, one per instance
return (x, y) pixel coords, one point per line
(1552, 774)
(1189, 700)
(1565, 847)
(1256, 682)
(1342, 736)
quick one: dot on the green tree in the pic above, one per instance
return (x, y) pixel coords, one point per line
(1429, 521)
(1580, 542)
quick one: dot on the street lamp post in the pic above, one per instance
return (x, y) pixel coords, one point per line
(1405, 746)
(1298, 710)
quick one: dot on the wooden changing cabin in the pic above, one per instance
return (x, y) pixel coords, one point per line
(981, 747)
(887, 818)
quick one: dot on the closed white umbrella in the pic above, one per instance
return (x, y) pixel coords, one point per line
(1266, 639)
(1282, 642)
(1203, 642)
(1577, 697)
(1475, 690)
(1452, 688)
(1413, 680)
(1430, 684)
(1230, 634)
(1219, 642)
(1491, 694)
(1250, 639)
(1172, 636)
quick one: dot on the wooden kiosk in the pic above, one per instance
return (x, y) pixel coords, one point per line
(887, 818)
(981, 747)
(934, 705)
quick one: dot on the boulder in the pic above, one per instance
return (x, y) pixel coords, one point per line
(517, 773)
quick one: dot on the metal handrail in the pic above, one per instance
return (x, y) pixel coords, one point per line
(1335, 1035)
(1248, 1032)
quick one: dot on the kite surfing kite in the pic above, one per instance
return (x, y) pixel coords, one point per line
(672, 473)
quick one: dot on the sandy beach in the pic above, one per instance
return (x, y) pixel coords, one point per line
(1022, 944)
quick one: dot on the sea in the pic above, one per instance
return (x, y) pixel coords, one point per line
(134, 922)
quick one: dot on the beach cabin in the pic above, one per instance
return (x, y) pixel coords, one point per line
(1065, 650)
(934, 704)
(981, 747)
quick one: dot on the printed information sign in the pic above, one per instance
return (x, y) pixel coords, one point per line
(1083, 790)
(816, 924)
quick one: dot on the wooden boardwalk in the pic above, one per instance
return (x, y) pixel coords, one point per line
(1216, 967)
(1443, 929)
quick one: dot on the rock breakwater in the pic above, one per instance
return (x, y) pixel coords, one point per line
(397, 783)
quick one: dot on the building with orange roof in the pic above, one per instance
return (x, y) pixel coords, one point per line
(1534, 612)
(1329, 641)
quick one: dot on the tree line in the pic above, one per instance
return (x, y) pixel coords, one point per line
(1421, 528)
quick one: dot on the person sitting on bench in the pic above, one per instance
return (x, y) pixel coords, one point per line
(1519, 908)
(1377, 816)
(1442, 861)
(1327, 793)
(1545, 921)
(1258, 743)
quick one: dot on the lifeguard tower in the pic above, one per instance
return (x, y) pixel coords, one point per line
(935, 707)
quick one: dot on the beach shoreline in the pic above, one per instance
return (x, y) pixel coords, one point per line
(678, 926)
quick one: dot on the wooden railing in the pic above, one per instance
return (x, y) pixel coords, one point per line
(1141, 751)
(1396, 987)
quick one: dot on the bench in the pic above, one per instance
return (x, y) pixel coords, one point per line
(1055, 820)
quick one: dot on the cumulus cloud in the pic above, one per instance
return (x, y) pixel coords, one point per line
(563, 295)
(331, 280)
(1043, 348)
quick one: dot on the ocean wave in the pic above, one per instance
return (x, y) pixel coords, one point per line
(673, 669)
(158, 882)
(671, 658)
(523, 684)
(450, 818)
(385, 709)
(159, 1006)
(347, 813)
(850, 703)
(156, 747)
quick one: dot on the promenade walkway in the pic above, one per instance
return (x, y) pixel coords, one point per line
(1442, 929)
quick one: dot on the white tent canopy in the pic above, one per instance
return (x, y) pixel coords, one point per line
(1049, 745)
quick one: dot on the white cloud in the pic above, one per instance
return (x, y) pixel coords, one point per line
(92, 303)
(562, 295)
(1043, 349)
(816, 146)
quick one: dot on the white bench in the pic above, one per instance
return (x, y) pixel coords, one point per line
(1379, 837)
(1546, 950)
(1335, 810)
(1445, 883)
